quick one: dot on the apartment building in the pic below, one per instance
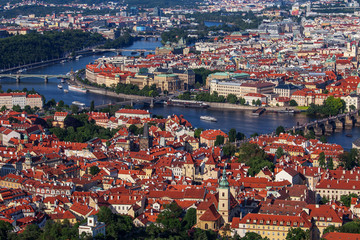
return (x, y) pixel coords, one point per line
(240, 88)
(20, 98)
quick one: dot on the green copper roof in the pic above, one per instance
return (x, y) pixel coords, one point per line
(224, 182)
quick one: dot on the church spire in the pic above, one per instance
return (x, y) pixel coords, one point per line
(224, 183)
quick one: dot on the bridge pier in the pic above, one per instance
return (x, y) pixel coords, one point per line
(46, 79)
(152, 103)
(348, 122)
(17, 79)
(357, 120)
(339, 125)
(329, 128)
(131, 103)
(318, 131)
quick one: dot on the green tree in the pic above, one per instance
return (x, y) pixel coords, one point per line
(352, 108)
(346, 199)
(190, 219)
(323, 139)
(197, 132)
(254, 157)
(3, 108)
(231, 98)
(229, 149)
(219, 140)
(170, 218)
(240, 136)
(16, 108)
(61, 104)
(310, 135)
(74, 108)
(92, 106)
(324, 200)
(298, 234)
(242, 101)
(232, 135)
(330, 163)
(279, 129)
(5, 229)
(31, 232)
(279, 152)
(94, 170)
(349, 160)
(330, 228)
(252, 236)
(258, 102)
(293, 103)
(133, 129)
(321, 160)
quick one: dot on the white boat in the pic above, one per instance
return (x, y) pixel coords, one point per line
(80, 104)
(77, 89)
(208, 118)
(66, 91)
(60, 86)
(63, 61)
(62, 80)
(78, 57)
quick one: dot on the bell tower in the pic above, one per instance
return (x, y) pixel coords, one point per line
(224, 197)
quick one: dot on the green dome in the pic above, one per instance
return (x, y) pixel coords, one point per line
(224, 182)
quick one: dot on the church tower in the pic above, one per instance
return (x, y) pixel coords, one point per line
(224, 197)
(28, 160)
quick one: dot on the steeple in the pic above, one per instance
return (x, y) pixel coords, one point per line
(28, 160)
(224, 183)
(224, 197)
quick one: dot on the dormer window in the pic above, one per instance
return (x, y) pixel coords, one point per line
(248, 220)
(268, 222)
(329, 219)
(281, 223)
(295, 224)
(287, 223)
(274, 222)
(254, 221)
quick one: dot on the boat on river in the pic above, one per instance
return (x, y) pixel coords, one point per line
(186, 103)
(77, 89)
(208, 118)
(60, 86)
(80, 104)
(258, 111)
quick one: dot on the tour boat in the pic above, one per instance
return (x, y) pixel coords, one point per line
(77, 88)
(208, 118)
(80, 104)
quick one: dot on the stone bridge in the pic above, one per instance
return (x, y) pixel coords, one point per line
(17, 76)
(330, 124)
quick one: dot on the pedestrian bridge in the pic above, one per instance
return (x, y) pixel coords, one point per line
(17, 77)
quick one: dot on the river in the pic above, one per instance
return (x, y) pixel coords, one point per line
(242, 121)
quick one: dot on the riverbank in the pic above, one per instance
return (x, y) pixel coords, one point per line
(106, 92)
(230, 106)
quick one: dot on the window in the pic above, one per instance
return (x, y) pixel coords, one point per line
(206, 226)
